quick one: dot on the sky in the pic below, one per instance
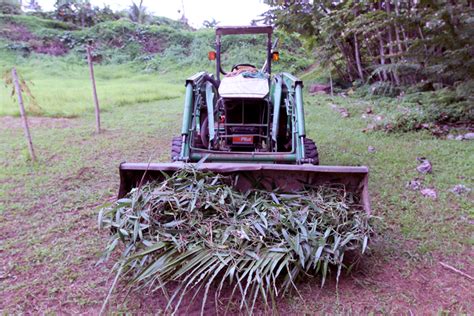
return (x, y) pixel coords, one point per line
(227, 12)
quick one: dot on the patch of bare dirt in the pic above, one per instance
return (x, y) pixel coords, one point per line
(10, 122)
(397, 286)
(50, 248)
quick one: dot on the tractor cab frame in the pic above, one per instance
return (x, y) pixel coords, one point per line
(243, 30)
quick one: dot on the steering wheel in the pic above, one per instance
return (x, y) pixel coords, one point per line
(236, 66)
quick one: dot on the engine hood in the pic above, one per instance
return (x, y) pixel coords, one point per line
(243, 87)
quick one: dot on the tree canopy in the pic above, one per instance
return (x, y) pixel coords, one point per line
(429, 42)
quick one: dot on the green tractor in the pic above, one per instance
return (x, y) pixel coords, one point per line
(256, 117)
(249, 124)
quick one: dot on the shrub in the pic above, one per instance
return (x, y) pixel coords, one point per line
(10, 7)
(415, 110)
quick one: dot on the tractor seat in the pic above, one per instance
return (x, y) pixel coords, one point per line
(244, 85)
(238, 69)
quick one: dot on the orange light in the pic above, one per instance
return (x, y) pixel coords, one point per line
(211, 55)
(275, 56)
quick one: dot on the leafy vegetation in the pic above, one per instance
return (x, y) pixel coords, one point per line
(138, 13)
(193, 227)
(82, 13)
(396, 47)
(418, 110)
(394, 41)
(10, 7)
(161, 45)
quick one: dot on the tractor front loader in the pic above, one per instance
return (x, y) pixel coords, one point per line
(249, 124)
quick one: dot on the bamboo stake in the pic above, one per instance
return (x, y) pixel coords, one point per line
(24, 120)
(94, 89)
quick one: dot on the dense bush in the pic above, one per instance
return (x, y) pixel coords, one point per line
(417, 110)
(397, 47)
(10, 7)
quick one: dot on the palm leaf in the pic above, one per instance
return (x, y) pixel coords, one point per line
(194, 229)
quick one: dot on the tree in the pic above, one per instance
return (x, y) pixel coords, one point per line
(183, 19)
(138, 13)
(10, 7)
(210, 24)
(81, 12)
(397, 42)
(105, 14)
(78, 12)
(266, 18)
(33, 5)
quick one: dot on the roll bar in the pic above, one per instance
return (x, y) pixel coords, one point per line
(242, 30)
(230, 30)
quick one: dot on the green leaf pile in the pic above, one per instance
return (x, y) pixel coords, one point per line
(196, 229)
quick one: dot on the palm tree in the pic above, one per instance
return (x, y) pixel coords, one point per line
(210, 24)
(138, 13)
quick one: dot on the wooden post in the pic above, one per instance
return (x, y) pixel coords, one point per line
(330, 82)
(94, 90)
(26, 129)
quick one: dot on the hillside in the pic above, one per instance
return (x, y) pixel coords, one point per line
(155, 47)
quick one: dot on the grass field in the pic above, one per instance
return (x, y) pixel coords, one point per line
(50, 242)
(62, 88)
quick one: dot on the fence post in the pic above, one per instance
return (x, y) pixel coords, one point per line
(94, 90)
(330, 82)
(26, 129)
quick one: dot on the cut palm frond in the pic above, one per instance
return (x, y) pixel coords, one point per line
(195, 229)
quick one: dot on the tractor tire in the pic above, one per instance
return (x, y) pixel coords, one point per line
(311, 151)
(176, 147)
(198, 142)
(205, 133)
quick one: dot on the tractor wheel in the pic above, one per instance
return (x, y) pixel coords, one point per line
(176, 147)
(198, 142)
(205, 133)
(311, 151)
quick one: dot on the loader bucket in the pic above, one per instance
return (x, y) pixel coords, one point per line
(285, 177)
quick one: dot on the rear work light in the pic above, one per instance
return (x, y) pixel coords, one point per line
(275, 56)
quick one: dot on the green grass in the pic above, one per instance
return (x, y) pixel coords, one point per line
(34, 23)
(62, 88)
(315, 74)
(48, 210)
(445, 224)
